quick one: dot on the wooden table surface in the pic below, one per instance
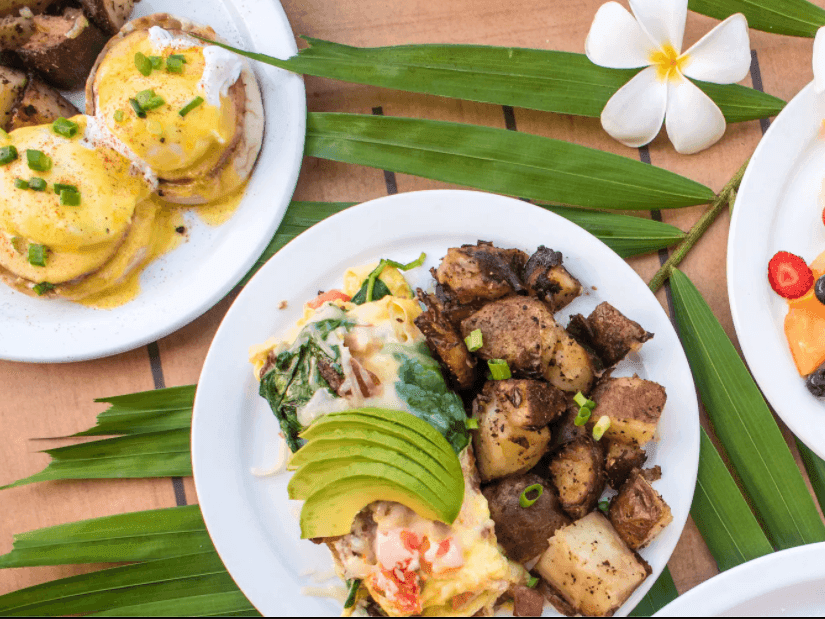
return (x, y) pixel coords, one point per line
(57, 400)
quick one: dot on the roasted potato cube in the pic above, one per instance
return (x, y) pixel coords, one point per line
(590, 565)
(40, 105)
(520, 330)
(481, 272)
(638, 512)
(512, 433)
(15, 31)
(445, 342)
(620, 459)
(549, 280)
(564, 429)
(609, 332)
(577, 471)
(108, 15)
(523, 531)
(527, 602)
(634, 406)
(572, 368)
(12, 7)
(12, 85)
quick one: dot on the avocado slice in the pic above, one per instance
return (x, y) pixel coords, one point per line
(330, 510)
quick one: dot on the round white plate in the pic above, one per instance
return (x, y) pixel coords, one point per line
(790, 583)
(778, 208)
(252, 523)
(182, 285)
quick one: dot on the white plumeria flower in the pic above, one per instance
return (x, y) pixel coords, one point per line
(819, 61)
(653, 39)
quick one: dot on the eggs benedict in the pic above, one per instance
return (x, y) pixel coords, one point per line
(191, 111)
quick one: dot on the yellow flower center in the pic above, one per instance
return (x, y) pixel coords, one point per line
(668, 62)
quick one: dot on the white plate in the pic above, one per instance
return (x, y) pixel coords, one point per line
(179, 287)
(790, 583)
(778, 208)
(252, 523)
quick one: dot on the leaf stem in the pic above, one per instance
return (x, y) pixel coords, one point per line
(723, 199)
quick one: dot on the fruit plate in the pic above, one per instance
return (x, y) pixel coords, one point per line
(779, 208)
(182, 285)
(252, 523)
(790, 583)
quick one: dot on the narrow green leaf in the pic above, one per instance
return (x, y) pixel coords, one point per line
(147, 411)
(155, 454)
(816, 471)
(793, 17)
(662, 593)
(625, 234)
(721, 514)
(500, 161)
(138, 536)
(203, 605)
(744, 424)
(551, 81)
(161, 580)
(300, 216)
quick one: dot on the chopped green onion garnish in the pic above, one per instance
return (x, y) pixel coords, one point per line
(143, 64)
(526, 502)
(602, 425)
(38, 161)
(21, 184)
(18, 244)
(191, 106)
(604, 505)
(178, 58)
(499, 369)
(37, 184)
(119, 116)
(474, 341)
(174, 64)
(58, 187)
(136, 107)
(148, 100)
(410, 265)
(65, 127)
(353, 590)
(7, 155)
(4, 135)
(70, 197)
(42, 288)
(156, 61)
(583, 417)
(471, 424)
(37, 255)
(533, 582)
(583, 401)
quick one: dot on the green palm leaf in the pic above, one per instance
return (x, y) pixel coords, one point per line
(551, 81)
(147, 411)
(500, 161)
(793, 17)
(226, 603)
(662, 593)
(816, 471)
(744, 424)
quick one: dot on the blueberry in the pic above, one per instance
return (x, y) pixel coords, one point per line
(819, 289)
(816, 379)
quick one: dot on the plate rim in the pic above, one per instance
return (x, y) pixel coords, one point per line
(201, 457)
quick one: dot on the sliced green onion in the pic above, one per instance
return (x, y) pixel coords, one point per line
(42, 288)
(191, 106)
(474, 341)
(38, 161)
(18, 244)
(4, 135)
(604, 505)
(21, 184)
(156, 61)
(602, 425)
(37, 255)
(136, 107)
(148, 100)
(58, 187)
(119, 116)
(69, 197)
(65, 127)
(583, 417)
(471, 424)
(410, 265)
(143, 64)
(7, 155)
(174, 64)
(524, 501)
(178, 58)
(353, 591)
(37, 184)
(499, 369)
(583, 401)
(534, 580)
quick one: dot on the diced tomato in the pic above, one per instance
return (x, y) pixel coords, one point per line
(461, 599)
(443, 547)
(332, 295)
(410, 540)
(407, 596)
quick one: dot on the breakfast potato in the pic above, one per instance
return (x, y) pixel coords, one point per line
(523, 532)
(638, 512)
(63, 48)
(591, 567)
(12, 85)
(15, 31)
(634, 406)
(564, 429)
(481, 272)
(547, 278)
(40, 104)
(512, 433)
(445, 342)
(620, 460)
(12, 7)
(609, 332)
(527, 602)
(577, 471)
(108, 15)
(572, 368)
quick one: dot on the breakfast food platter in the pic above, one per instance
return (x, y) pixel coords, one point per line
(182, 284)
(254, 526)
(779, 208)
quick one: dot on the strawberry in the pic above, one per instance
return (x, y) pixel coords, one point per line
(789, 275)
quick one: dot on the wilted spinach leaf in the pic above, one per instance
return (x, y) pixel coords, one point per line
(379, 291)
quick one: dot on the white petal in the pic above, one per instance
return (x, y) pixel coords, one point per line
(634, 115)
(616, 40)
(693, 120)
(723, 55)
(819, 60)
(662, 20)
